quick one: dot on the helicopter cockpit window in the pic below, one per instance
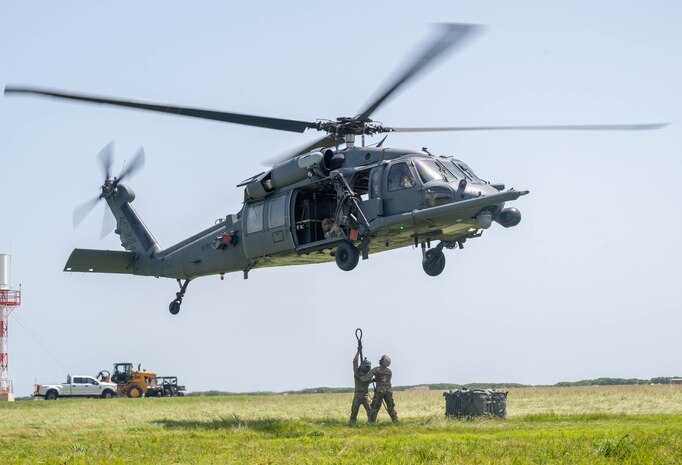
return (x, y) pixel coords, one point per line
(429, 171)
(254, 218)
(400, 177)
(455, 170)
(276, 216)
(469, 172)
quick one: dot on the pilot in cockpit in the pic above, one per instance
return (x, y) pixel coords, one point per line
(400, 177)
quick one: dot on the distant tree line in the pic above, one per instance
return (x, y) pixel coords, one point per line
(616, 381)
(450, 386)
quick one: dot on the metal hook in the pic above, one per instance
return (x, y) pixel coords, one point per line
(359, 338)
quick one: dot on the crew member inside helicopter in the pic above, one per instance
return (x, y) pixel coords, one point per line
(331, 229)
(400, 177)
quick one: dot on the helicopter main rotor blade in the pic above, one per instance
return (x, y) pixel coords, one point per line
(453, 34)
(80, 212)
(569, 127)
(236, 118)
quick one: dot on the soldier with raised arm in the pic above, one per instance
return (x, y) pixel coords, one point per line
(361, 396)
(383, 392)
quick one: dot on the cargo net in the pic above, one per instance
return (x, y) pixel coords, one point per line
(469, 403)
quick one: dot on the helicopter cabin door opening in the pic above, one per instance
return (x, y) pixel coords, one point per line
(314, 214)
(268, 228)
(317, 211)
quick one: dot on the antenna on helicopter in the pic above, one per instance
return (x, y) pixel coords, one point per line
(381, 142)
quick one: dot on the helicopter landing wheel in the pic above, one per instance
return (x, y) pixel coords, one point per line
(174, 307)
(434, 262)
(347, 256)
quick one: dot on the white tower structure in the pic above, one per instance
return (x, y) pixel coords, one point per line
(9, 300)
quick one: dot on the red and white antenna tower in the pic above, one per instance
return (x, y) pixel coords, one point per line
(9, 300)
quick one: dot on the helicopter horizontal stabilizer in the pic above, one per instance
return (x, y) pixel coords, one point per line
(100, 261)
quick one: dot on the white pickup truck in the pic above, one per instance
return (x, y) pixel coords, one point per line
(76, 386)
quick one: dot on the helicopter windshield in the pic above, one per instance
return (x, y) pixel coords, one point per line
(468, 171)
(429, 171)
(461, 170)
(455, 170)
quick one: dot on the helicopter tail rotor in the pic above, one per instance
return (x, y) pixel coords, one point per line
(133, 167)
(105, 160)
(83, 210)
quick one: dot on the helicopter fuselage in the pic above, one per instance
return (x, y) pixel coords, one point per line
(301, 211)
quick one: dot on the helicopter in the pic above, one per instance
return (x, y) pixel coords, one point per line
(331, 200)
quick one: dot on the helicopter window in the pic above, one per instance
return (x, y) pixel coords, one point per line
(276, 217)
(361, 182)
(254, 218)
(469, 172)
(455, 170)
(429, 171)
(400, 177)
(375, 181)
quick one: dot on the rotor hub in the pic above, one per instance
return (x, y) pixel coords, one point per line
(346, 125)
(109, 187)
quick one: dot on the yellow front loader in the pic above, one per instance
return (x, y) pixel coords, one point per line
(131, 383)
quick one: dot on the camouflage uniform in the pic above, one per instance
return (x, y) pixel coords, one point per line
(361, 396)
(383, 391)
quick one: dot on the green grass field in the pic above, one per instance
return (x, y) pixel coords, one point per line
(604, 425)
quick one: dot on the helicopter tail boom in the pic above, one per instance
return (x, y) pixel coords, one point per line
(134, 235)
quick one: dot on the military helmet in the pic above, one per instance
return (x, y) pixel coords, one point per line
(366, 365)
(385, 361)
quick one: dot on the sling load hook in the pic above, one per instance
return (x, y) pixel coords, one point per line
(358, 336)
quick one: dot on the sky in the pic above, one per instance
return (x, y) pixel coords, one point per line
(587, 285)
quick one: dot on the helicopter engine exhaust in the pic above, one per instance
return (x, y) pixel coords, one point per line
(332, 161)
(508, 217)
